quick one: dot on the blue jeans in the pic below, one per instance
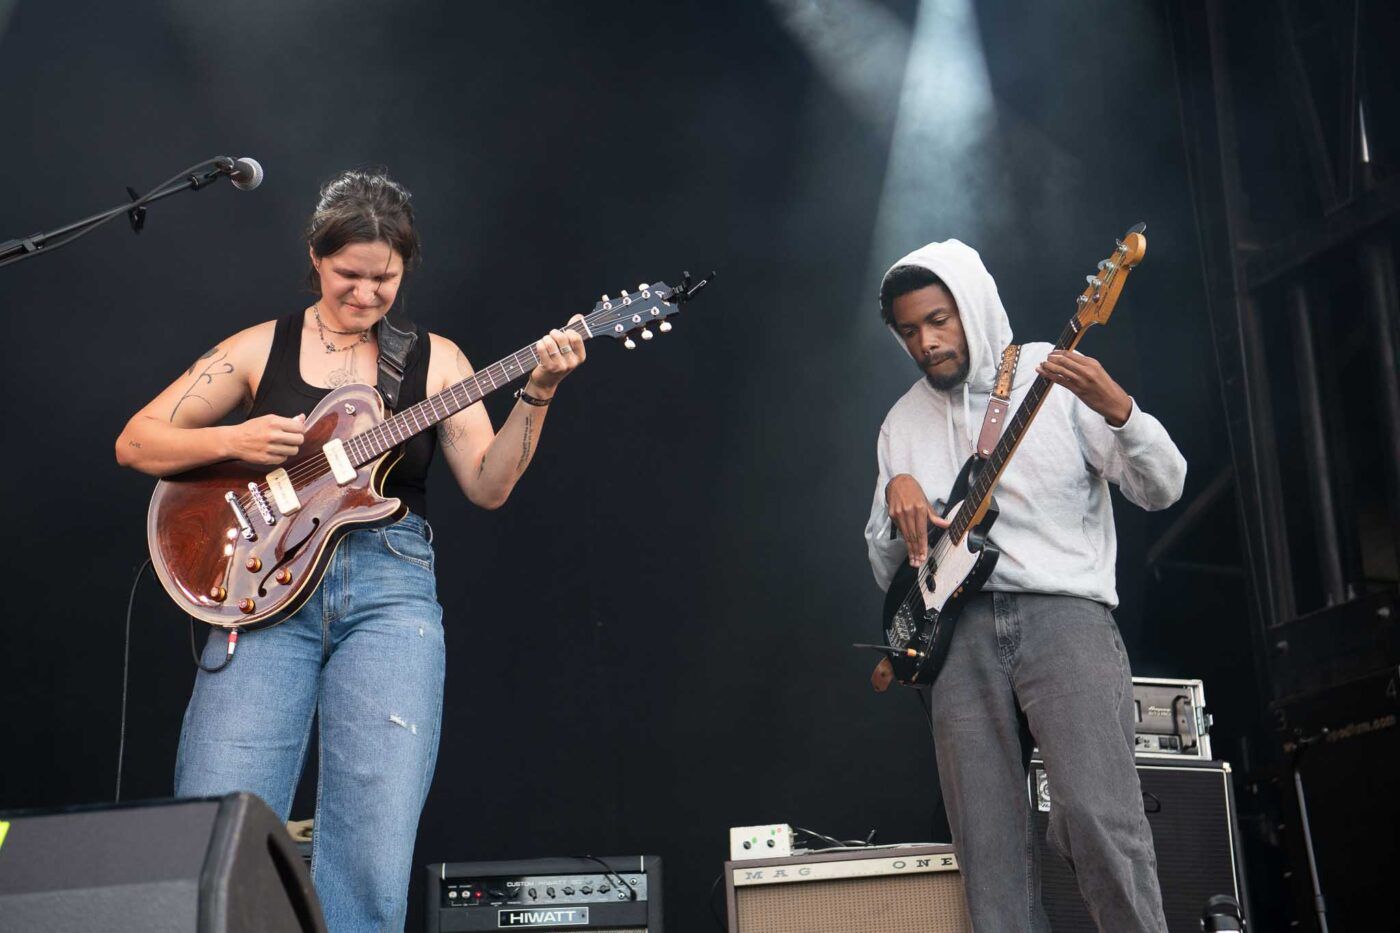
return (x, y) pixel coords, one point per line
(1058, 660)
(366, 654)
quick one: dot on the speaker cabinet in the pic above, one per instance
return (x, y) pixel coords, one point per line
(218, 865)
(896, 889)
(1190, 806)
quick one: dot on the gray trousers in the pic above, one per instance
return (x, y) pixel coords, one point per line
(1060, 660)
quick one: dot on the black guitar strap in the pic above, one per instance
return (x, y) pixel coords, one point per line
(396, 340)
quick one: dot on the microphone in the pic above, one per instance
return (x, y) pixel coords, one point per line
(245, 173)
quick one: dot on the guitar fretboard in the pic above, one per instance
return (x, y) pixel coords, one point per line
(1016, 428)
(392, 431)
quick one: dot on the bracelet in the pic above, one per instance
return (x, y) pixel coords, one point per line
(529, 399)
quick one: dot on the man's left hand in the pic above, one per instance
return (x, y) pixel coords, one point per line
(1086, 378)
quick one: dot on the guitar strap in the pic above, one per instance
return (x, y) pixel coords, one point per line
(995, 419)
(396, 340)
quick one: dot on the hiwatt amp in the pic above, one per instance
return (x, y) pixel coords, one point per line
(879, 889)
(575, 893)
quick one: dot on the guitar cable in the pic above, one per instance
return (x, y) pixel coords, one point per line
(194, 651)
(126, 670)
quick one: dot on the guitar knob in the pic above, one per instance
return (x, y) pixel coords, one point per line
(646, 334)
(630, 344)
(254, 564)
(664, 327)
(246, 605)
(283, 576)
(218, 594)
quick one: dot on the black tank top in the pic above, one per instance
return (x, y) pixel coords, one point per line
(283, 392)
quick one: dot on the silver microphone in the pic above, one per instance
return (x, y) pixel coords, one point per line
(245, 173)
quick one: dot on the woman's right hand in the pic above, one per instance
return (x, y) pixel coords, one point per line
(267, 440)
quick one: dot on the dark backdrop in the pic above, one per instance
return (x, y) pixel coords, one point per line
(650, 642)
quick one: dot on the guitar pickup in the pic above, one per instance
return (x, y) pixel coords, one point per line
(284, 494)
(341, 467)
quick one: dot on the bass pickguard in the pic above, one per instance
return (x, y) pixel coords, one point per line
(921, 607)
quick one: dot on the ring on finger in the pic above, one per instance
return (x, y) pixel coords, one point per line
(566, 349)
(553, 352)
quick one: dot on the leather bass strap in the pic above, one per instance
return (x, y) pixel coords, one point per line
(995, 419)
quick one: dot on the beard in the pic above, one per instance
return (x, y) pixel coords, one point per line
(951, 380)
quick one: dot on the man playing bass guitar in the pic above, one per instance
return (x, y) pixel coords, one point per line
(1037, 652)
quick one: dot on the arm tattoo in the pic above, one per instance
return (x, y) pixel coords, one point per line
(449, 432)
(207, 353)
(526, 445)
(217, 366)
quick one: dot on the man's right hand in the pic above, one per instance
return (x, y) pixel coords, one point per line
(910, 510)
(267, 440)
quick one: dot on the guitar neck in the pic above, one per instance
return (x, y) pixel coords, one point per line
(1096, 303)
(415, 419)
(979, 495)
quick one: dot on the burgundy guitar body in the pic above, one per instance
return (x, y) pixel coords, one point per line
(242, 546)
(206, 562)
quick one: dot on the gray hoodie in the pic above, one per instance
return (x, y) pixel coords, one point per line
(1055, 531)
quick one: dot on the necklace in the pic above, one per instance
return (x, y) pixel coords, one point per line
(321, 329)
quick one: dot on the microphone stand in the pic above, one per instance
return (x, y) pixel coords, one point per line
(194, 178)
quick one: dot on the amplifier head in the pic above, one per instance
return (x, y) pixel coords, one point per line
(613, 894)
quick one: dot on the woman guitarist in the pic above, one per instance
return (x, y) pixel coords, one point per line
(365, 653)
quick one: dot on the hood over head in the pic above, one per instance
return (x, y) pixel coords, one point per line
(984, 320)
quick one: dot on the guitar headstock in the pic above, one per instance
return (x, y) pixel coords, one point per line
(1097, 300)
(632, 314)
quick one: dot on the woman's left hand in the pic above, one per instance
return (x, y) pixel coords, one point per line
(560, 353)
(1086, 378)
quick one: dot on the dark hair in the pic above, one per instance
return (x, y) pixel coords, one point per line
(902, 280)
(360, 206)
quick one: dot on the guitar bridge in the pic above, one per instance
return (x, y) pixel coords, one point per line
(244, 526)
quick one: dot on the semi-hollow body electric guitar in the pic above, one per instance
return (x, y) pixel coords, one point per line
(922, 605)
(243, 547)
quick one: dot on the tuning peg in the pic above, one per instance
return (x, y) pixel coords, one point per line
(646, 334)
(624, 293)
(629, 343)
(606, 299)
(643, 287)
(664, 327)
(1093, 280)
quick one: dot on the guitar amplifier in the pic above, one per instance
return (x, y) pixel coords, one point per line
(1191, 808)
(885, 889)
(613, 895)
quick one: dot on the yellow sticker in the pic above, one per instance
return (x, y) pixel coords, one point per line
(4, 828)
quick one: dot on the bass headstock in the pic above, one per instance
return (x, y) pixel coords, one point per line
(1104, 285)
(632, 314)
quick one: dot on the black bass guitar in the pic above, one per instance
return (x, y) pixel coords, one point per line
(922, 605)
